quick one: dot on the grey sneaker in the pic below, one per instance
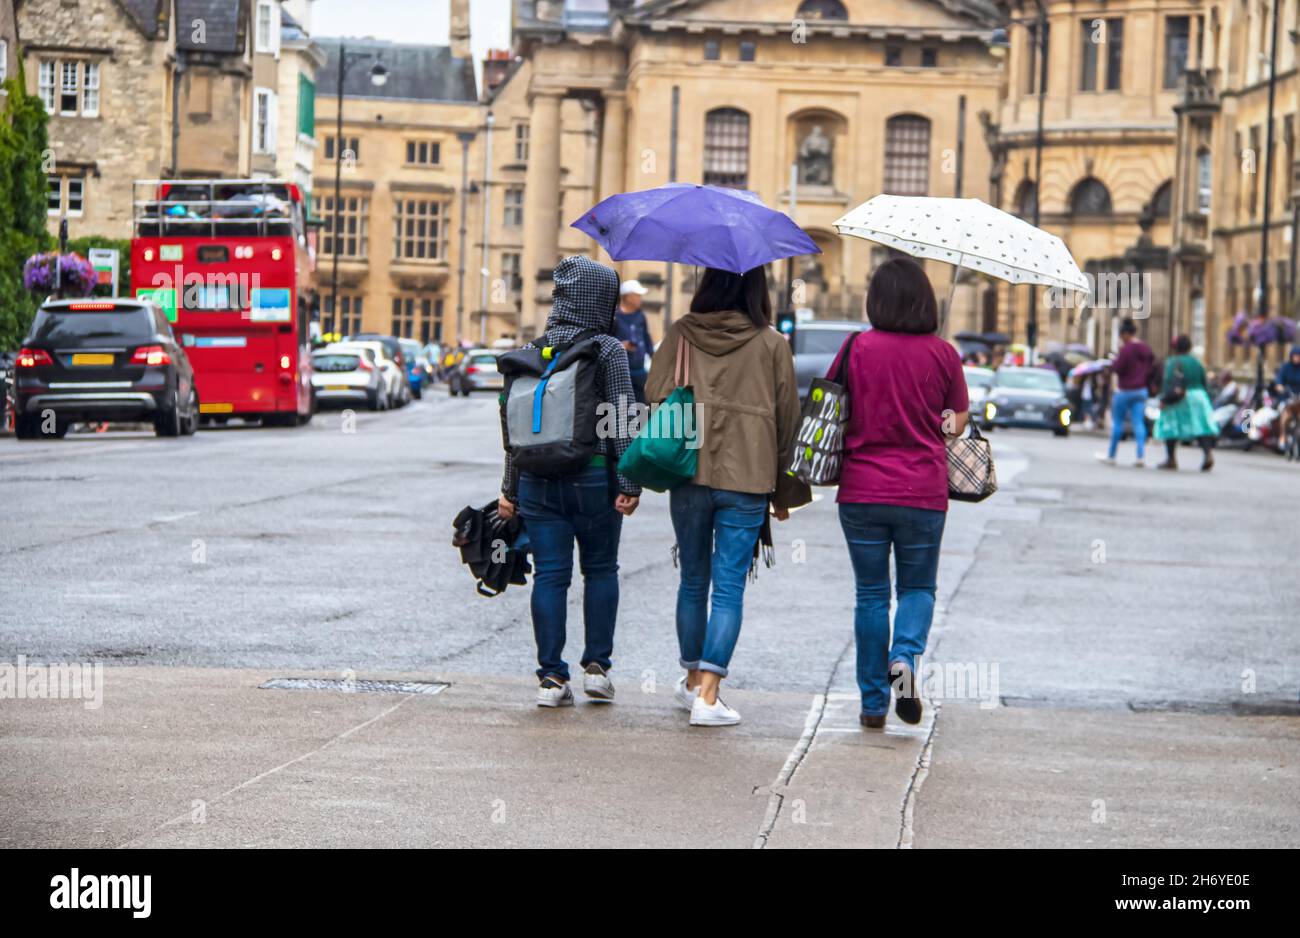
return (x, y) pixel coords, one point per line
(597, 685)
(553, 693)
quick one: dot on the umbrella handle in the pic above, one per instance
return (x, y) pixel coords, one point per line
(952, 288)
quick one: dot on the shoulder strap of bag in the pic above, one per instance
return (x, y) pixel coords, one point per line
(682, 369)
(842, 372)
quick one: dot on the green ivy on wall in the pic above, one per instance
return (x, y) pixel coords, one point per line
(24, 140)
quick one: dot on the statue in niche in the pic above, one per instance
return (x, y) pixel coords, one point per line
(815, 157)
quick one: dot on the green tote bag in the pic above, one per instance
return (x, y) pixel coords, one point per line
(661, 456)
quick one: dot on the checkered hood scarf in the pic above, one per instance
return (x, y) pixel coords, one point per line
(585, 297)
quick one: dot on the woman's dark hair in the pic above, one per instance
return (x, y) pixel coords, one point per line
(1128, 327)
(721, 290)
(900, 298)
(1182, 345)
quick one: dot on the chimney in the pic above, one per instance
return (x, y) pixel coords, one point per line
(460, 29)
(496, 67)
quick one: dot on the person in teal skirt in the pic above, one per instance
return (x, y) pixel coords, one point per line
(1191, 417)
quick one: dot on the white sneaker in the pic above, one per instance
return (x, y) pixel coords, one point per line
(1140, 464)
(683, 696)
(554, 694)
(719, 714)
(597, 685)
(1103, 458)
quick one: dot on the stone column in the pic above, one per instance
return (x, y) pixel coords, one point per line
(542, 204)
(613, 144)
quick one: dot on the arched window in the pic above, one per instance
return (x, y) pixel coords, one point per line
(726, 148)
(1162, 203)
(822, 10)
(1204, 177)
(1026, 199)
(1090, 197)
(907, 155)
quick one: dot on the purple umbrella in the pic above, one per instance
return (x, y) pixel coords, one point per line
(707, 226)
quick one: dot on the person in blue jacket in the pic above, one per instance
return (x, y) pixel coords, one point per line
(630, 328)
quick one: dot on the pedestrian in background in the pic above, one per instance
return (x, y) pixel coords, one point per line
(1186, 412)
(747, 415)
(587, 507)
(631, 329)
(1132, 371)
(907, 393)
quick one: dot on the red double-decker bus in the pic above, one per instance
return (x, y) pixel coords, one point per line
(227, 260)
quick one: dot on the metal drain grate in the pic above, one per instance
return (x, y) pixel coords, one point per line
(355, 687)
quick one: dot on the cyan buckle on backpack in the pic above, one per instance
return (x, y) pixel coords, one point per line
(549, 408)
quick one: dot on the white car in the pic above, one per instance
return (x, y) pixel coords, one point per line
(343, 377)
(395, 384)
(978, 382)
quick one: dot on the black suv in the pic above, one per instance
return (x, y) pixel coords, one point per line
(102, 360)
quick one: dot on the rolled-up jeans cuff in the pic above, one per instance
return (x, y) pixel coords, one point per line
(715, 668)
(689, 665)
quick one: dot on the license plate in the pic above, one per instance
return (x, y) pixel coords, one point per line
(92, 358)
(1026, 415)
(337, 387)
(216, 408)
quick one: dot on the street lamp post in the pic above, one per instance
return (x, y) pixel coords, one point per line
(1262, 308)
(1031, 319)
(378, 76)
(465, 137)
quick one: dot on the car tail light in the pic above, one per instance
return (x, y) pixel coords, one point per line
(471, 370)
(33, 358)
(151, 355)
(363, 365)
(81, 307)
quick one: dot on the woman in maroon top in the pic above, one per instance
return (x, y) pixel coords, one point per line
(906, 392)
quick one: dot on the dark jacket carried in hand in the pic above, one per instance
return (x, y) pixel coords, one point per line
(584, 299)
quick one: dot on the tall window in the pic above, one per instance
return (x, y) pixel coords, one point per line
(306, 106)
(1204, 187)
(4, 59)
(712, 50)
(66, 192)
(726, 148)
(417, 317)
(514, 207)
(521, 143)
(264, 120)
(512, 271)
(1090, 197)
(354, 235)
(349, 319)
(907, 155)
(1252, 203)
(747, 51)
(1035, 63)
(1026, 199)
(268, 27)
(1102, 46)
(1162, 202)
(418, 230)
(1177, 45)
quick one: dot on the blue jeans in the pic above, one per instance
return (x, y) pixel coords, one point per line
(1131, 404)
(915, 535)
(555, 513)
(716, 532)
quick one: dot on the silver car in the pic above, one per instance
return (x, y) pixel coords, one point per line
(816, 344)
(349, 376)
(476, 372)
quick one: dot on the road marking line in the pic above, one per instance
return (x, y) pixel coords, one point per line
(269, 772)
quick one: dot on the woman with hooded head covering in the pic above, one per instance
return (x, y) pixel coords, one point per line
(587, 506)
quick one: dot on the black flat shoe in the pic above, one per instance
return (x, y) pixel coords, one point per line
(872, 723)
(907, 703)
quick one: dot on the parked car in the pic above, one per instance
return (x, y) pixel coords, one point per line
(477, 371)
(816, 344)
(978, 382)
(413, 358)
(344, 377)
(1027, 397)
(395, 383)
(103, 361)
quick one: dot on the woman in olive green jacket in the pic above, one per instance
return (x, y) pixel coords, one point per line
(746, 418)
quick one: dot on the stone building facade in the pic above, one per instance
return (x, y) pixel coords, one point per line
(1221, 190)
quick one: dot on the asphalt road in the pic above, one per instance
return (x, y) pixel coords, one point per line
(1131, 636)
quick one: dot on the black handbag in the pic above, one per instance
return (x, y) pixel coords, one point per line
(1175, 388)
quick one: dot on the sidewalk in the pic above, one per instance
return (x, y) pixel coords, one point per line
(184, 757)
